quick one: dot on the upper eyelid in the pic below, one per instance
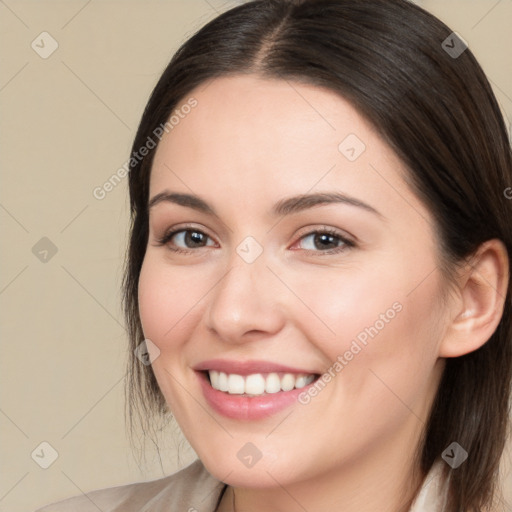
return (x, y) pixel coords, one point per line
(303, 231)
(179, 229)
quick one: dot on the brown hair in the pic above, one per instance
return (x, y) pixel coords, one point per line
(437, 111)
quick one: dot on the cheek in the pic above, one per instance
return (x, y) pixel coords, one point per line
(153, 300)
(379, 329)
(349, 304)
(168, 299)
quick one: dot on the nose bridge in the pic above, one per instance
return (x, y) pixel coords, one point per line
(245, 298)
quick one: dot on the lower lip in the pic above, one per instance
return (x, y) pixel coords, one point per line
(240, 407)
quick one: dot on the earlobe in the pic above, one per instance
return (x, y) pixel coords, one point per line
(480, 302)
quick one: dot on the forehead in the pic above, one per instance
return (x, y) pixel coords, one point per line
(247, 113)
(261, 138)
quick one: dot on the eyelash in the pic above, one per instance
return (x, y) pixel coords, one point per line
(348, 244)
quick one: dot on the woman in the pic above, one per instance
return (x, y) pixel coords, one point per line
(319, 266)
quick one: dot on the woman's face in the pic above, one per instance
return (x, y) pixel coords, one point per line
(259, 293)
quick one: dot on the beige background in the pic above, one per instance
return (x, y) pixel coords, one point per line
(67, 123)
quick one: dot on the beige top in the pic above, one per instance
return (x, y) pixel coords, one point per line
(193, 489)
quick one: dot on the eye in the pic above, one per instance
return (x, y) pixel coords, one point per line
(192, 239)
(322, 239)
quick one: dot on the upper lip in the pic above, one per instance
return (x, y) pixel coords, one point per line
(247, 367)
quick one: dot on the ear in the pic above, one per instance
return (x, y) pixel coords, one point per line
(478, 309)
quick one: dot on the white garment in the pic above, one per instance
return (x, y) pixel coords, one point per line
(193, 489)
(433, 495)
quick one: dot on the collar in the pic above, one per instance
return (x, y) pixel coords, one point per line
(433, 493)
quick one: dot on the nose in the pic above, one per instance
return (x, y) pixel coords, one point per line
(246, 302)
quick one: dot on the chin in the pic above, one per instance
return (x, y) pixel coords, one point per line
(263, 474)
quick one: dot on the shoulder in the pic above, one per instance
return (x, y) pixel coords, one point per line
(192, 489)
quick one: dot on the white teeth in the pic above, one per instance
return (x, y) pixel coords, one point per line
(304, 381)
(236, 384)
(288, 382)
(257, 383)
(273, 383)
(223, 382)
(214, 378)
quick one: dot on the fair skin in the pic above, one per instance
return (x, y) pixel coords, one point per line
(248, 144)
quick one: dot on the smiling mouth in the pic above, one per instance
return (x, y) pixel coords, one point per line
(258, 384)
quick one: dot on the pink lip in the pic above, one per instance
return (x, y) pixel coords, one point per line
(247, 367)
(243, 407)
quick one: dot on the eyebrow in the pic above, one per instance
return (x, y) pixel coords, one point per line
(283, 207)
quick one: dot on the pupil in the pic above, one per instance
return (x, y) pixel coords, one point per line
(325, 238)
(195, 236)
